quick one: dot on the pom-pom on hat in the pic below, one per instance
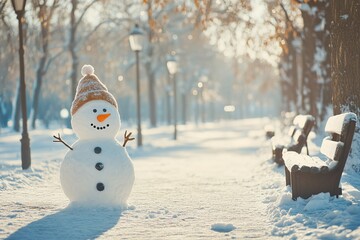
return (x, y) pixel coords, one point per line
(90, 88)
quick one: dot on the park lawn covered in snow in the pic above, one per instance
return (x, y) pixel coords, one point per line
(215, 182)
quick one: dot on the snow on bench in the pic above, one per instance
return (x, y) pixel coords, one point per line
(311, 175)
(337, 123)
(301, 162)
(296, 140)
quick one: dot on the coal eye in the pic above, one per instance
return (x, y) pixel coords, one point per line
(94, 110)
(104, 110)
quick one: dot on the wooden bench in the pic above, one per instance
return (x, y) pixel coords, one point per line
(269, 131)
(298, 133)
(310, 175)
(287, 119)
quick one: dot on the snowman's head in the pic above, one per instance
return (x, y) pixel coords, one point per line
(96, 119)
(94, 109)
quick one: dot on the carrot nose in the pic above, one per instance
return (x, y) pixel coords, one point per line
(102, 117)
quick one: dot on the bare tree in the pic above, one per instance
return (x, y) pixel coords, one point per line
(288, 34)
(149, 66)
(75, 21)
(44, 13)
(7, 53)
(315, 57)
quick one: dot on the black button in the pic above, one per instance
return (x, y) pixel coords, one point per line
(97, 150)
(100, 187)
(99, 166)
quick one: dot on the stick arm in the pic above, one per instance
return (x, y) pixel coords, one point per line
(58, 139)
(127, 137)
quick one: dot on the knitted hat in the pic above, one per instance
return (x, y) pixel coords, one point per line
(90, 88)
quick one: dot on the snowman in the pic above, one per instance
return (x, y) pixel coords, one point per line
(97, 169)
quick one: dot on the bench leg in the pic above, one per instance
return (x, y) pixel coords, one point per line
(287, 176)
(278, 156)
(294, 187)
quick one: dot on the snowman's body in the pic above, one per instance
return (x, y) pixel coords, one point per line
(98, 170)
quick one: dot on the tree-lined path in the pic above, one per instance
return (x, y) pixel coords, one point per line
(180, 191)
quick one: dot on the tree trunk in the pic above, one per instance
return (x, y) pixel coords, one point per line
(294, 75)
(151, 88)
(72, 46)
(309, 48)
(183, 107)
(284, 83)
(345, 52)
(45, 25)
(150, 71)
(326, 90)
(345, 66)
(289, 66)
(316, 71)
(37, 88)
(73, 74)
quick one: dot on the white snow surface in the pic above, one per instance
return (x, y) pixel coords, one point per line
(216, 176)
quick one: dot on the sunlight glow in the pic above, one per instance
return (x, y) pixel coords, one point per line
(229, 108)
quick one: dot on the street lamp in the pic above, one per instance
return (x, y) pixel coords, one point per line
(171, 65)
(19, 6)
(136, 40)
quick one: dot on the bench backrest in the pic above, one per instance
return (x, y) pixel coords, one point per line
(301, 128)
(341, 129)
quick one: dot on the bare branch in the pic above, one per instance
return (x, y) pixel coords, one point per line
(287, 16)
(83, 13)
(118, 20)
(2, 6)
(127, 138)
(58, 139)
(53, 7)
(50, 61)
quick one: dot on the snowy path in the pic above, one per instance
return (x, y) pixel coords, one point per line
(215, 174)
(191, 190)
(182, 188)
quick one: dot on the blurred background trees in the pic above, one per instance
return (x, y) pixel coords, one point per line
(261, 57)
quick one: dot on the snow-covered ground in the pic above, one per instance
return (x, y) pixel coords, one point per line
(215, 182)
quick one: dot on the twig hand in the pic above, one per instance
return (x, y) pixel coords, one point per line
(58, 139)
(127, 138)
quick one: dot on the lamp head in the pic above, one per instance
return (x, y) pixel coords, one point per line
(18, 5)
(136, 38)
(171, 64)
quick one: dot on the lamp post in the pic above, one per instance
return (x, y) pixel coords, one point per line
(136, 40)
(171, 65)
(19, 7)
